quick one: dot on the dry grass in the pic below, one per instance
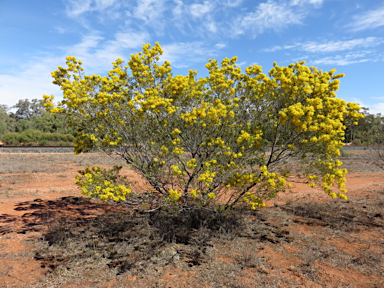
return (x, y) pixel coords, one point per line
(50, 163)
(86, 243)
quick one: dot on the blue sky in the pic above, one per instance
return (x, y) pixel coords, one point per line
(347, 35)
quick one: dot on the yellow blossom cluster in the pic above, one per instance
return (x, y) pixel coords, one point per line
(93, 182)
(174, 195)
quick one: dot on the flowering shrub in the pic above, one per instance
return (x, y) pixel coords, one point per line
(103, 184)
(221, 139)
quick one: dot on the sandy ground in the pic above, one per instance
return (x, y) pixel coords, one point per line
(32, 193)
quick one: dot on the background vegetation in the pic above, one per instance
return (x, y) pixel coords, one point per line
(27, 123)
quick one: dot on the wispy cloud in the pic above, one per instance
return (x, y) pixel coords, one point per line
(201, 17)
(331, 46)
(269, 15)
(75, 8)
(59, 29)
(367, 20)
(95, 51)
(151, 12)
(374, 108)
(305, 2)
(349, 51)
(97, 54)
(103, 10)
(274, 15)
(36, 81)
(95, 47)
(183, 54)
(232, 3)
(340, 60)
(220, 45)
(200, 10)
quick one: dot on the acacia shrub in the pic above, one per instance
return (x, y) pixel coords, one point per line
(221, 139)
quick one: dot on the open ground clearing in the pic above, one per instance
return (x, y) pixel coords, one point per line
(50, 236)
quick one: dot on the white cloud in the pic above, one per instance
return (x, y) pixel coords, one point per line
(94, 51)
(199, 18)
(347, 59)
(368, 20)
(199, 10)
(76, 8)
(340, 60)
(84, 47)
(97, 54)
(178, 9)
(275, 15)
(304, 2)
(220, 45)
(233, 3)
(152, 13)
(373, 108)
(183, 54)
(277, 47)
(241, 64)
(30, 83)
(149, 9)
(355, 50)
(105, 10)
(376, 108)
(331, 46)
(269, 15)
(59, 29)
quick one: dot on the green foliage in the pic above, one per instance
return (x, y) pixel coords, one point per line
(356, 142)
(11, 139)
(30, 115)
(7, 123)
(47, 122)
(34, 137)
(26, 109)
(366, 130)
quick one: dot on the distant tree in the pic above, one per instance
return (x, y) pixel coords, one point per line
(376, 140)
(27, 109)
(53, 123)
(365, 131)
(7, 124)
(21, 125)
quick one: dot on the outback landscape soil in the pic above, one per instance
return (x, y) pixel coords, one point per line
(52, 236)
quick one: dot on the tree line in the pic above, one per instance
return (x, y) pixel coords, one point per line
(27, 123)
(369, 131)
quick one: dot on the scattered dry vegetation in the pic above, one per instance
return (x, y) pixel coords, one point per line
(79, 242)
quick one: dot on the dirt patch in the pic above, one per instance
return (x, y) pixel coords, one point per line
(51, 236)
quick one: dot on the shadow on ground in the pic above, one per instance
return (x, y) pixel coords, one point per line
(78, 234)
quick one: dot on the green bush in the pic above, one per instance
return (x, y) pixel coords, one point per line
(11, 139)
(36, 137)
(43, 142)
(356, 142)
